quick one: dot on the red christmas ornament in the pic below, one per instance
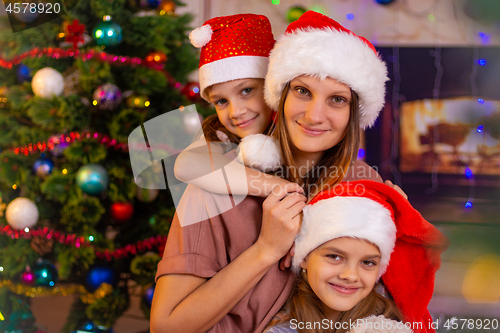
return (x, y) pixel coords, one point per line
(192, 91)
(75, 32)
(122, 211)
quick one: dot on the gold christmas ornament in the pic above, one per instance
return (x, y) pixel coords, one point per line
(42, 245)
(166, 7)
(156, 57)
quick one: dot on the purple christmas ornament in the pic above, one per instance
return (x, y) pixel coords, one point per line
(28, 277)
(107, 96)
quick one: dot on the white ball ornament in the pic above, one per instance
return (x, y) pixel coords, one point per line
(47, 82)
(21, 213)
(192, 122)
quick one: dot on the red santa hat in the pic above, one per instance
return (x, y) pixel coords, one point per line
(232, 47)
(317, 45)
(410, 247)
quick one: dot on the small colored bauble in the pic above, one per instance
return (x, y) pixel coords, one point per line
(146, 195)
(21, 320)
(153, 3)
(26, 16)
(23, 73)
(318, 9)
(192, 91)
(294, 13)
(148, 295)
(21, 213)
(92, 179)
(45, 272)
(192, 122)
(3, 97)
(43, 167)
(138, 101)
(47, 82)
(166, 7)
(384, 2)
(59, 146)
(107, 96)
(98, 275)
(28, 277)
(90, 327)
(121, 211)
(59, 149)
(107, 33)
(71, 82)
(156, 57)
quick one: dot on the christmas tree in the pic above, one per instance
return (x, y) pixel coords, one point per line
(73, 221)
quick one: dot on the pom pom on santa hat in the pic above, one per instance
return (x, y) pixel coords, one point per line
(199, 37)
(261, 152)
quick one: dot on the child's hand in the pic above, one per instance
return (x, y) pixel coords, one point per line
(281, 220)
(397, 188)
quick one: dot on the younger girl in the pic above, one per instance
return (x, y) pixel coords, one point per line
(233, 64)
(351, 236)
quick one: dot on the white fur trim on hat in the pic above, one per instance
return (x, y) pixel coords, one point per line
(232, 68)
(336, 217)
(328, 53)
(199, 37)
(261, 152)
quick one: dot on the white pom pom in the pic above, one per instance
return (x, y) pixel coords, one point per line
(260, 152)
(199, 37)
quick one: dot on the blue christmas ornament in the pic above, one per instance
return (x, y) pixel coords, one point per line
(98, 275)
(153, 3)
(23, 73)
(92, 179)
(384, 2)
(148, 295)
(107, 33)
(43, 167)
(90, 327)
(45, 272)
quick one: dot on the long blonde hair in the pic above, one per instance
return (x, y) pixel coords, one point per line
(340, 156)
(304, 306)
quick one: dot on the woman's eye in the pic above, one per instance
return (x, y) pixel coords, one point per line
(339, 99)
(302, 91)
(334, 256)
(246, 91)
(220, 102)
(369, 263)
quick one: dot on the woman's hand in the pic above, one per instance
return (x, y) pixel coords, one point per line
(281, 220)
(397, 188)
(286, 262)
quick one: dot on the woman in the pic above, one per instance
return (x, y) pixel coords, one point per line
(222, 274)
